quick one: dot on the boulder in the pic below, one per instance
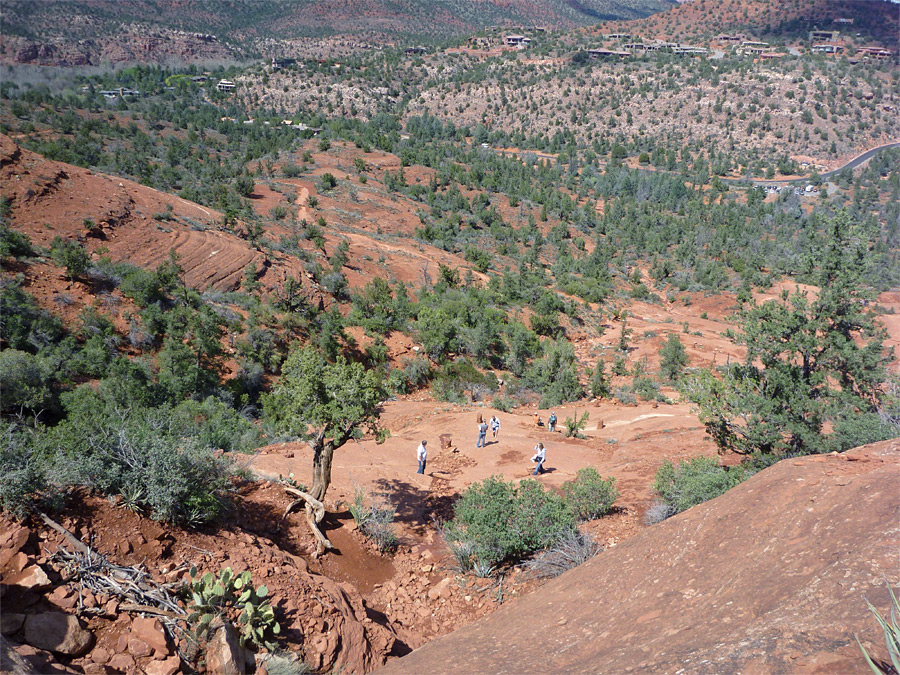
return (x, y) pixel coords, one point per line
(150, 631)
(169, 666)
(32, 577)
(10, 622)
(224, 654)
(58, 632)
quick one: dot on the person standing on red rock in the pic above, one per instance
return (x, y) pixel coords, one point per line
(540, 454)
(495, 426)
(422, 456)
(482, 433)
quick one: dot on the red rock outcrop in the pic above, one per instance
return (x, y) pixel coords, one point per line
(770, 577)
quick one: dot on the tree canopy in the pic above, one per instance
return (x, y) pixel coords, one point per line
(813, 377)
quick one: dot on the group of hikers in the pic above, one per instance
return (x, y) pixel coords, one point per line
(540, 452)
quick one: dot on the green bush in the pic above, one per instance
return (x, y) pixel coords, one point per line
(14, 243)
(499, 521)
(590, 496)
(71, 255)
(23, 485)
(459, 380)
(695, 481)
(23, 385)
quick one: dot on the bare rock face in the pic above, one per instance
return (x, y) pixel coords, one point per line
(58, 632)
(769, 577)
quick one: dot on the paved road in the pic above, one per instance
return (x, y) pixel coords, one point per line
(852, 164)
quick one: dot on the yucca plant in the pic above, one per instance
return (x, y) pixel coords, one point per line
(891, 636)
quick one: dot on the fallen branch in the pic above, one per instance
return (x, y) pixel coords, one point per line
(71, 538)
(315, 512)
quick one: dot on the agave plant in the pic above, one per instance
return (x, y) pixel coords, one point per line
(891, 636)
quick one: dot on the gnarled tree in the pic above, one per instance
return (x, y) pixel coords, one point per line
(325, 404)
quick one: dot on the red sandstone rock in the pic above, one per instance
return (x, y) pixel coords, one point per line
(769, 577)
(151, 632)
(58, 632)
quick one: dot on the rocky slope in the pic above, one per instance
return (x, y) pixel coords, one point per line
(770, 577)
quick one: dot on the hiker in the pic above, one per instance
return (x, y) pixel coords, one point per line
(495, 426)
(540, 454)
(422, 456)
(551, 422)
(538, 422)
(482, 433)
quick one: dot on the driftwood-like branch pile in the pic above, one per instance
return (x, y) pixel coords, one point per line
(134, 588)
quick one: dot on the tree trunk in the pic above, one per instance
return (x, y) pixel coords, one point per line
(323, 453)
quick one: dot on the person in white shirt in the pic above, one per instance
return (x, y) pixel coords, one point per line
(540, 454)
(495, 425)
(422, 456)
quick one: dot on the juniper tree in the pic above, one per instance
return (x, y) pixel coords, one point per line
(813, 377)
(326, 404)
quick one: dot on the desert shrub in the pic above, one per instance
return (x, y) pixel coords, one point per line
(14, 243)
(672, 358)
(375, 519)
(646, 388)
(158, 455)
(23, 384)
(417, 370)
(625, 395)
(71, 255)
(599, 383)
(571, 549)
(23, 324)
(503, 403)
(457, 381)
(554, 376)
(588, 495)
(500, 521)
(658, 512)
(695, 481)
(23, 485)
(291, 171)
(327, 182)
(575, 425)
(286, 664)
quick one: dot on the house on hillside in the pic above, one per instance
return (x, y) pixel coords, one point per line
(827, 48)
(752, 47)
(617, 36)
(412, 51)
(688, 50)
(122, 92)
(724, 37)
(635, 46)
(279, 63)
(824, 35)
(225, 85)
(607, 54)
(875, 53)
(516, 40)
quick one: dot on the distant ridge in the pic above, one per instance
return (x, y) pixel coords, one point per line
(876, 20)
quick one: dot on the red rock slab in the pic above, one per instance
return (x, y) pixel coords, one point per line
(770, 577)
